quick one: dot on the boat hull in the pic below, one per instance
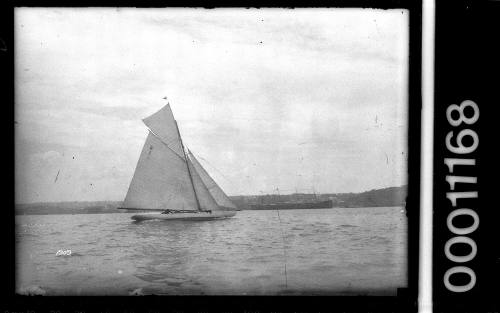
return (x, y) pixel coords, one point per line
(201, 216)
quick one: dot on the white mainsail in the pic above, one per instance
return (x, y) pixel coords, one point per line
(161, 180)
(217, 193)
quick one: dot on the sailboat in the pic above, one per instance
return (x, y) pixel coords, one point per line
(169, 183)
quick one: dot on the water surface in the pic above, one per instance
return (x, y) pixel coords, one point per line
(325, 251)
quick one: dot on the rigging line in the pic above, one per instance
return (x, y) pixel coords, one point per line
(284, 248)
(168, 147)
(214, 185)
(215, 169)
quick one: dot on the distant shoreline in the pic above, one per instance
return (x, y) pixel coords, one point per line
(386, 197)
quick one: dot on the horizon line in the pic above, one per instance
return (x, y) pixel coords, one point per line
(241, 195)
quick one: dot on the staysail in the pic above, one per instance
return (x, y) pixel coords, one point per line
(205, 198)
(217, 193)
(161, 180)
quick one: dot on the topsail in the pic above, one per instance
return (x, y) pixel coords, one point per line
(163, 125)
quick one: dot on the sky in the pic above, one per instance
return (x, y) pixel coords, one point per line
(307, 100)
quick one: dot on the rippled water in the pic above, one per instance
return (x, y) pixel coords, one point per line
(341, 250)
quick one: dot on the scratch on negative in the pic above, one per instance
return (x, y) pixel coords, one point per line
(57, 176)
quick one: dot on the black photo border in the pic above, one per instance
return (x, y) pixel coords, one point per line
(467, 67)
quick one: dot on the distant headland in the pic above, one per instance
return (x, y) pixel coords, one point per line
(386, 197)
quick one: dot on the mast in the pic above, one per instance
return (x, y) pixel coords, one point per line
(187, 165)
